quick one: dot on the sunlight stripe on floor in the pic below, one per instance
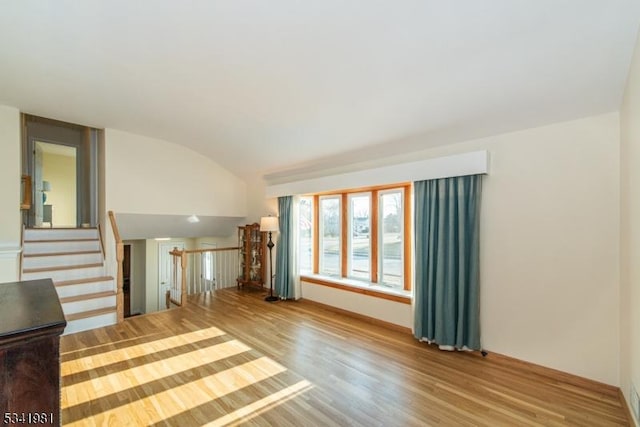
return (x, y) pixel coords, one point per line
(120, 381)
(168, 403)
(254, 409)
(114, 356)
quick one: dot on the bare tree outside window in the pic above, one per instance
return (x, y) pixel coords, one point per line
(391, 237)
(330, 235)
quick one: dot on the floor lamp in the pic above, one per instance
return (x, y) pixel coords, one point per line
(270, 224)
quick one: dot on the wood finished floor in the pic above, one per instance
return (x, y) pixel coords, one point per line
(229, 358)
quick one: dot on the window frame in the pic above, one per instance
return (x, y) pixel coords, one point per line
(317, 249)
(372, 286)
(312, 232)
(403, 232)
(350, 230)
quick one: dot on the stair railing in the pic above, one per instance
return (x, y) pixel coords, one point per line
(104, 254)
(120, 271)
(196, 271)
(21, 252)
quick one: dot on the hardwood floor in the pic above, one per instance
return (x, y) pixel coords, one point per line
(229, 358)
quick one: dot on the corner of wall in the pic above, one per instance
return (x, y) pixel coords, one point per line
(630, 236)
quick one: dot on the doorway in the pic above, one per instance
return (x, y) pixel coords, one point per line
(55, 178)
(62, 160)
(126, 279)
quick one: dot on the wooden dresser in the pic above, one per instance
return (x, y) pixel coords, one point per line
(31, 322)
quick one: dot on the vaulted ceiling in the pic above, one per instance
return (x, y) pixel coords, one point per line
(274, 86)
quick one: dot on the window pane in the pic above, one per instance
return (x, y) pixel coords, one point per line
(305, 235)
(391, 239)
(359, 236)
(330, 235)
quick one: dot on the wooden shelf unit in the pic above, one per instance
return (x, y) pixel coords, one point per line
(252, 243)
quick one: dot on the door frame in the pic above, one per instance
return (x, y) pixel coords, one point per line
(85, 140)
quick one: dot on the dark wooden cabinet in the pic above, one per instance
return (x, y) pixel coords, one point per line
(31, 322)
(252, 243)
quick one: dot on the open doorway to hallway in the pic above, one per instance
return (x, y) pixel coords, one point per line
(61, 160)
(55, 176)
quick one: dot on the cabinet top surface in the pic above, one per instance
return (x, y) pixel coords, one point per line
(29, 306)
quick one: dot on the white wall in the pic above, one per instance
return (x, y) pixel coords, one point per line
(10, 161)
(377, 308)
(60, 171)
(630, 232)
(549, 247)
(151, 176)
(151, 276)
(258, 205)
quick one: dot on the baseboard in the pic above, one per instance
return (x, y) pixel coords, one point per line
(626, 407)
(359, 316)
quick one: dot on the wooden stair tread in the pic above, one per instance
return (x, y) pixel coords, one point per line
(63, 267)
(81, 281)
(61, 253)
(60, 228)
(91, 239)
(85, 297)
(90, 313)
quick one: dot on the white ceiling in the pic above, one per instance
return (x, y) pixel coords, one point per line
(274, 86)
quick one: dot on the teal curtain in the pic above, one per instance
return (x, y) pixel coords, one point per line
(284, 279)
(447, 288)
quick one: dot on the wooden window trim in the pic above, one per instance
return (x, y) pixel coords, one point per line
(316, 234)
(375, 261)
(358, 290)
(344, 235)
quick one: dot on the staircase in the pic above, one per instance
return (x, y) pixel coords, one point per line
(73, 259)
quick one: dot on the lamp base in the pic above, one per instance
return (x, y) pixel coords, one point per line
(271, 298)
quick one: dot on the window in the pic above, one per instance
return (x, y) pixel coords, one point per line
(330, 225)
(359, 241)
(391, 238)
(358, 237)
(305, 235)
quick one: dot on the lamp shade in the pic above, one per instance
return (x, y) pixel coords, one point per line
(269, 223)
(46, 186)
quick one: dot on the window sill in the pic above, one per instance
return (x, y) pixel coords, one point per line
(373, 290)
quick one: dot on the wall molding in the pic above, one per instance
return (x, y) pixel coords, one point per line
(9, 252)
(471, 163)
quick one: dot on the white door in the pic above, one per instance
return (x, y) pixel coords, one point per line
(208, 263)
(164, 270)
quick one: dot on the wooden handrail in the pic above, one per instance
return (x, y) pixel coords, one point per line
(178, 252)
(25, 203)
(114, 227)
(120, 274)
